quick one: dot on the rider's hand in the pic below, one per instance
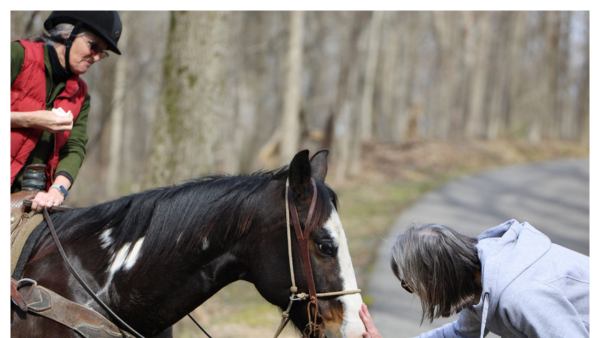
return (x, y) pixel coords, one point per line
(47, 199)
(42, 119)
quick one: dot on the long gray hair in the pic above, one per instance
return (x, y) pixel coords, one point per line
(59, 30)
(440, 265)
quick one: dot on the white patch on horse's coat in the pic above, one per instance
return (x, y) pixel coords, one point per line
(134, 254)
(106, 239)
(123, 259)
(205, 243)
(352, 325)
(120, 258)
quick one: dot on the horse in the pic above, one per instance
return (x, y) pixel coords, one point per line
(154, 256)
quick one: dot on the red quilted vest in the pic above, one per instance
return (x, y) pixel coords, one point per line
(28, 93)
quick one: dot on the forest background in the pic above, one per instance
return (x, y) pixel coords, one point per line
(404, 100)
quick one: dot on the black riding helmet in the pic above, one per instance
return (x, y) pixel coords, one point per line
(105, 24)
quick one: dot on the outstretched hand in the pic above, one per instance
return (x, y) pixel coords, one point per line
(368, 321)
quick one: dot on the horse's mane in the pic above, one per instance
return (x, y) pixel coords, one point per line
(190, 211)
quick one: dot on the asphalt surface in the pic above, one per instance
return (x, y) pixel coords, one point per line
(551, 196)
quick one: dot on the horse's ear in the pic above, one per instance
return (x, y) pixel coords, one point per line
(318, 164)
(300, 174)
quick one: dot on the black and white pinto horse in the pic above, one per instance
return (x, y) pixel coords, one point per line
(155, 256)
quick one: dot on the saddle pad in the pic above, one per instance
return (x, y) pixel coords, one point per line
(22, 241)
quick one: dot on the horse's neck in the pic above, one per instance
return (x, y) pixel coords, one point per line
(179, 286)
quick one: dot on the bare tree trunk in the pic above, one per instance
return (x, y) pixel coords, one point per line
(408, 104)
(536, 107)
(443, 23)
(290, 123)
(544, 119)
(387, 78)
(517, 122)
(583, 99)
(345, 119)
(564, 109)
(496, 111)
(366, 119)
(551, 69)
(188, 122)
(116, 119)
(356, 140)
(474, 126)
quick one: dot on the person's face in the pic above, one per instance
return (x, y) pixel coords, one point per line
(85, 51)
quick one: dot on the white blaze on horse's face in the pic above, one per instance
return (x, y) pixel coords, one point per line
(352, 325)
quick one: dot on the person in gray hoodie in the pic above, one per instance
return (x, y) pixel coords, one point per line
(511, 281)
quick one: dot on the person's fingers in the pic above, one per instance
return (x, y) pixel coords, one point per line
(67, 120)
(365, 316)
(39, 201)
(56, 197)
(53, 122)
(364, 312)
(46, 199)
(65, 123)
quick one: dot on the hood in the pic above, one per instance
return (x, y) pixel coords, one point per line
(505, 252)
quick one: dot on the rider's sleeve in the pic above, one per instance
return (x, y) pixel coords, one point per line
(71, 155)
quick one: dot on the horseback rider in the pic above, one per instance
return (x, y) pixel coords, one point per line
(49, 101)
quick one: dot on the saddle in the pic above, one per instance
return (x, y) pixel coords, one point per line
(23, 223)
(18, 209)
(34, 180)
(24, 233)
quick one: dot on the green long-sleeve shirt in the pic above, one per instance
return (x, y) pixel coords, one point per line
(71, 155)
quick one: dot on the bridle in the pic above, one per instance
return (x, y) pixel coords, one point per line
(314, 318)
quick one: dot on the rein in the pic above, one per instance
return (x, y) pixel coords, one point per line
(302, 238)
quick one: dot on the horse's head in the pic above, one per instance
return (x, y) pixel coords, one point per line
(330, 261)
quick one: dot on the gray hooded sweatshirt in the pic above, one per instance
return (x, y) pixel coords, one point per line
(531, 288)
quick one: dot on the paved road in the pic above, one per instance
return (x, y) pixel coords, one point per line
(551, 196)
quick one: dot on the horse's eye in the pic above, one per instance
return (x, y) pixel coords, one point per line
(327, 248)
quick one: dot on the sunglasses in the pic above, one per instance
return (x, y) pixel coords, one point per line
(405, 286)
(96, 49)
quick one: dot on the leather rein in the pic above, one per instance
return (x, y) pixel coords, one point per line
(315, 320)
